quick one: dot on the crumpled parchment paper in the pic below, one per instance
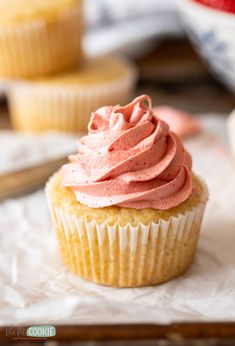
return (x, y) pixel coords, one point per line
(36, 288)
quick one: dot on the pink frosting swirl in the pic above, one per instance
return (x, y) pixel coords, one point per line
(129, 158)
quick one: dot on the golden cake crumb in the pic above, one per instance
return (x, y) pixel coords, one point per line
(64, 197)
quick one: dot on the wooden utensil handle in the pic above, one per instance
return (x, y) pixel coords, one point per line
(28, 179)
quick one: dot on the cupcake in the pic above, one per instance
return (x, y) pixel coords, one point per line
(127, 208)
(65, 101)
(39, 37)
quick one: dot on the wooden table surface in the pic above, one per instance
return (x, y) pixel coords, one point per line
(182, 82)
(200, 334)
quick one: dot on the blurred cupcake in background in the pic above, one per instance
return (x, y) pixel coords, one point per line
(39, 37)
(65, 101)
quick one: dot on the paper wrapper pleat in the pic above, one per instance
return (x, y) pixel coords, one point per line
(128, 256)
(36, 48)
(36, 108)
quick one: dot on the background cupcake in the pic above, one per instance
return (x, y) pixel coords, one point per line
(127, 209)
(39, 37)
(65, 101)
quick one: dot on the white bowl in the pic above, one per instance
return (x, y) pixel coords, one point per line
(212, 33)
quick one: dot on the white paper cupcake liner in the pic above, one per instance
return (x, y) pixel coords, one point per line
(36, 48)
(40, 107)
(128, 256)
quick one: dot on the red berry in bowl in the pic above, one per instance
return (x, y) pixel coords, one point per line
(223, 5)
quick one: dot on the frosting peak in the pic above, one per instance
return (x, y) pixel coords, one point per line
(129, 158)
